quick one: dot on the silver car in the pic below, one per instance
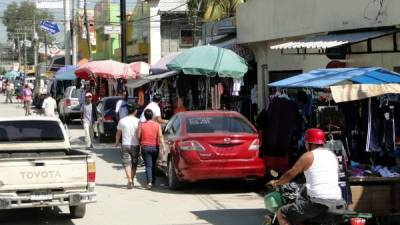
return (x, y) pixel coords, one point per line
(69, 107)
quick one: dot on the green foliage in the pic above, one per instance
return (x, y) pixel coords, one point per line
(19, 17)
(213, 10)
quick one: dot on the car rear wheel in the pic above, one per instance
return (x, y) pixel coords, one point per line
(77, 211)
(173, 181)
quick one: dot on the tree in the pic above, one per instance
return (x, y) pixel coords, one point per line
(19, 18)
(213, 10)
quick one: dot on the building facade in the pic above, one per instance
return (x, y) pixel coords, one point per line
(301, 35)
(158, 27)
(107, 13)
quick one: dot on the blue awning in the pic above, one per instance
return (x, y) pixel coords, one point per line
(324, 78)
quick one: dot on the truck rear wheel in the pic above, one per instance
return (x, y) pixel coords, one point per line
(77, 211)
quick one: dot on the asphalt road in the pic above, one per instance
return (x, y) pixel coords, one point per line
(211, 202)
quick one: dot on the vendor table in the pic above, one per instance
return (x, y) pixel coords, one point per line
(377, 195)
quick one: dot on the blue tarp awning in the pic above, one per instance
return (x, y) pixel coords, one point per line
(324, 78)
(66, 73)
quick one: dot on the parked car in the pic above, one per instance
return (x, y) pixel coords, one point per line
(209, 145)
(69, 107)
(39, 168)
(106, 124)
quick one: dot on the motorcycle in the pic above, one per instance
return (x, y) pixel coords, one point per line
(288, 193)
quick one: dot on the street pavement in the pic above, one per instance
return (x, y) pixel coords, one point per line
(204, 203)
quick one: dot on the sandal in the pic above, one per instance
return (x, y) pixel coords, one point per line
(129, 185)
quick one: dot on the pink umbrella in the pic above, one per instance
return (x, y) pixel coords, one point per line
(105, 69)
(141, 69)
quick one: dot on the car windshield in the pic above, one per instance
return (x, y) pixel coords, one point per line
(217, 124)
(33, 130)
(75, 93)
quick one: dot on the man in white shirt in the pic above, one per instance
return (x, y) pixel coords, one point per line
(130, 151)
(155, 108)
(49, 106)
(121, 109)
(321, 169)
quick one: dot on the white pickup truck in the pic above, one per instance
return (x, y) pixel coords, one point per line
(38, 167)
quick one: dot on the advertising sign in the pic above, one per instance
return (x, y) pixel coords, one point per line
(49, 4)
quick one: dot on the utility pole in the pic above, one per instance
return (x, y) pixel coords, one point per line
(19, 51)
(67, 39)
(123, 29)
(74, 36)
(25, 55)
(45, 50)
(35, 55)
(86, 23)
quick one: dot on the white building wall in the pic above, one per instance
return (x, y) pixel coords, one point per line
(157, 7)
(260, 20)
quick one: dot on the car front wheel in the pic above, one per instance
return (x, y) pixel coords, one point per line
(173, 180)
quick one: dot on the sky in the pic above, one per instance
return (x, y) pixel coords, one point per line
(58, 14)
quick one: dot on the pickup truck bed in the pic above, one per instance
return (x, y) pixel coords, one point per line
(44, 178)
(38, 168)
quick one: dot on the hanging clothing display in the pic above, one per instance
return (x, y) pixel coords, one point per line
(278, 125)
(237, 84)
(141, 97)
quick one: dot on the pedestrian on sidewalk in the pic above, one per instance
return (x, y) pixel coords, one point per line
(49, 106)
(19, 94)
(151, 138)
(27, 98)
(155, 108)
(88, 118)
(121, 108)
(9, 91)
(130, 150)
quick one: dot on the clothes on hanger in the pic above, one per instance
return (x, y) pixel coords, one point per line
(237, 84)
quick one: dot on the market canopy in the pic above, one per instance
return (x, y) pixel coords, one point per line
(141, 69)
(105, 69)
(331, 40)
(161, 66)
(11, 75)
(347, 84)
(66, 73)
(209, 61)
(324, 78)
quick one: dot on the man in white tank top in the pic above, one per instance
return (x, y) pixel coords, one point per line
(321, 169)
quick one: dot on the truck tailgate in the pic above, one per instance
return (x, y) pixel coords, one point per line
(45, 173)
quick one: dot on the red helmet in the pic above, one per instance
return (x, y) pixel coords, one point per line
(314, 136)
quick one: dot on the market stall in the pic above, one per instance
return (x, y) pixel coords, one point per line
(106, 77)
(359, 109)
(212, 78)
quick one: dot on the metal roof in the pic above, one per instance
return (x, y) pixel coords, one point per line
(331, 40)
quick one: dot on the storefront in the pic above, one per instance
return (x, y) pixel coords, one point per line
(359, 110)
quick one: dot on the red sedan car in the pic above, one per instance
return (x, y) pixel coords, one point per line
(210, 145)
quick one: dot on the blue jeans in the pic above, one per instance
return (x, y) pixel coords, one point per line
(150, 155)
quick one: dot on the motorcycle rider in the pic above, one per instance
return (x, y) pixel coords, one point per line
(321, 170)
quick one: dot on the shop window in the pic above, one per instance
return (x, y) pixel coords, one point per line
(186, 38)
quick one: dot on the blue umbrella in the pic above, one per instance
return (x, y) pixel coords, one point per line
(66, 68)
(66, 73)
